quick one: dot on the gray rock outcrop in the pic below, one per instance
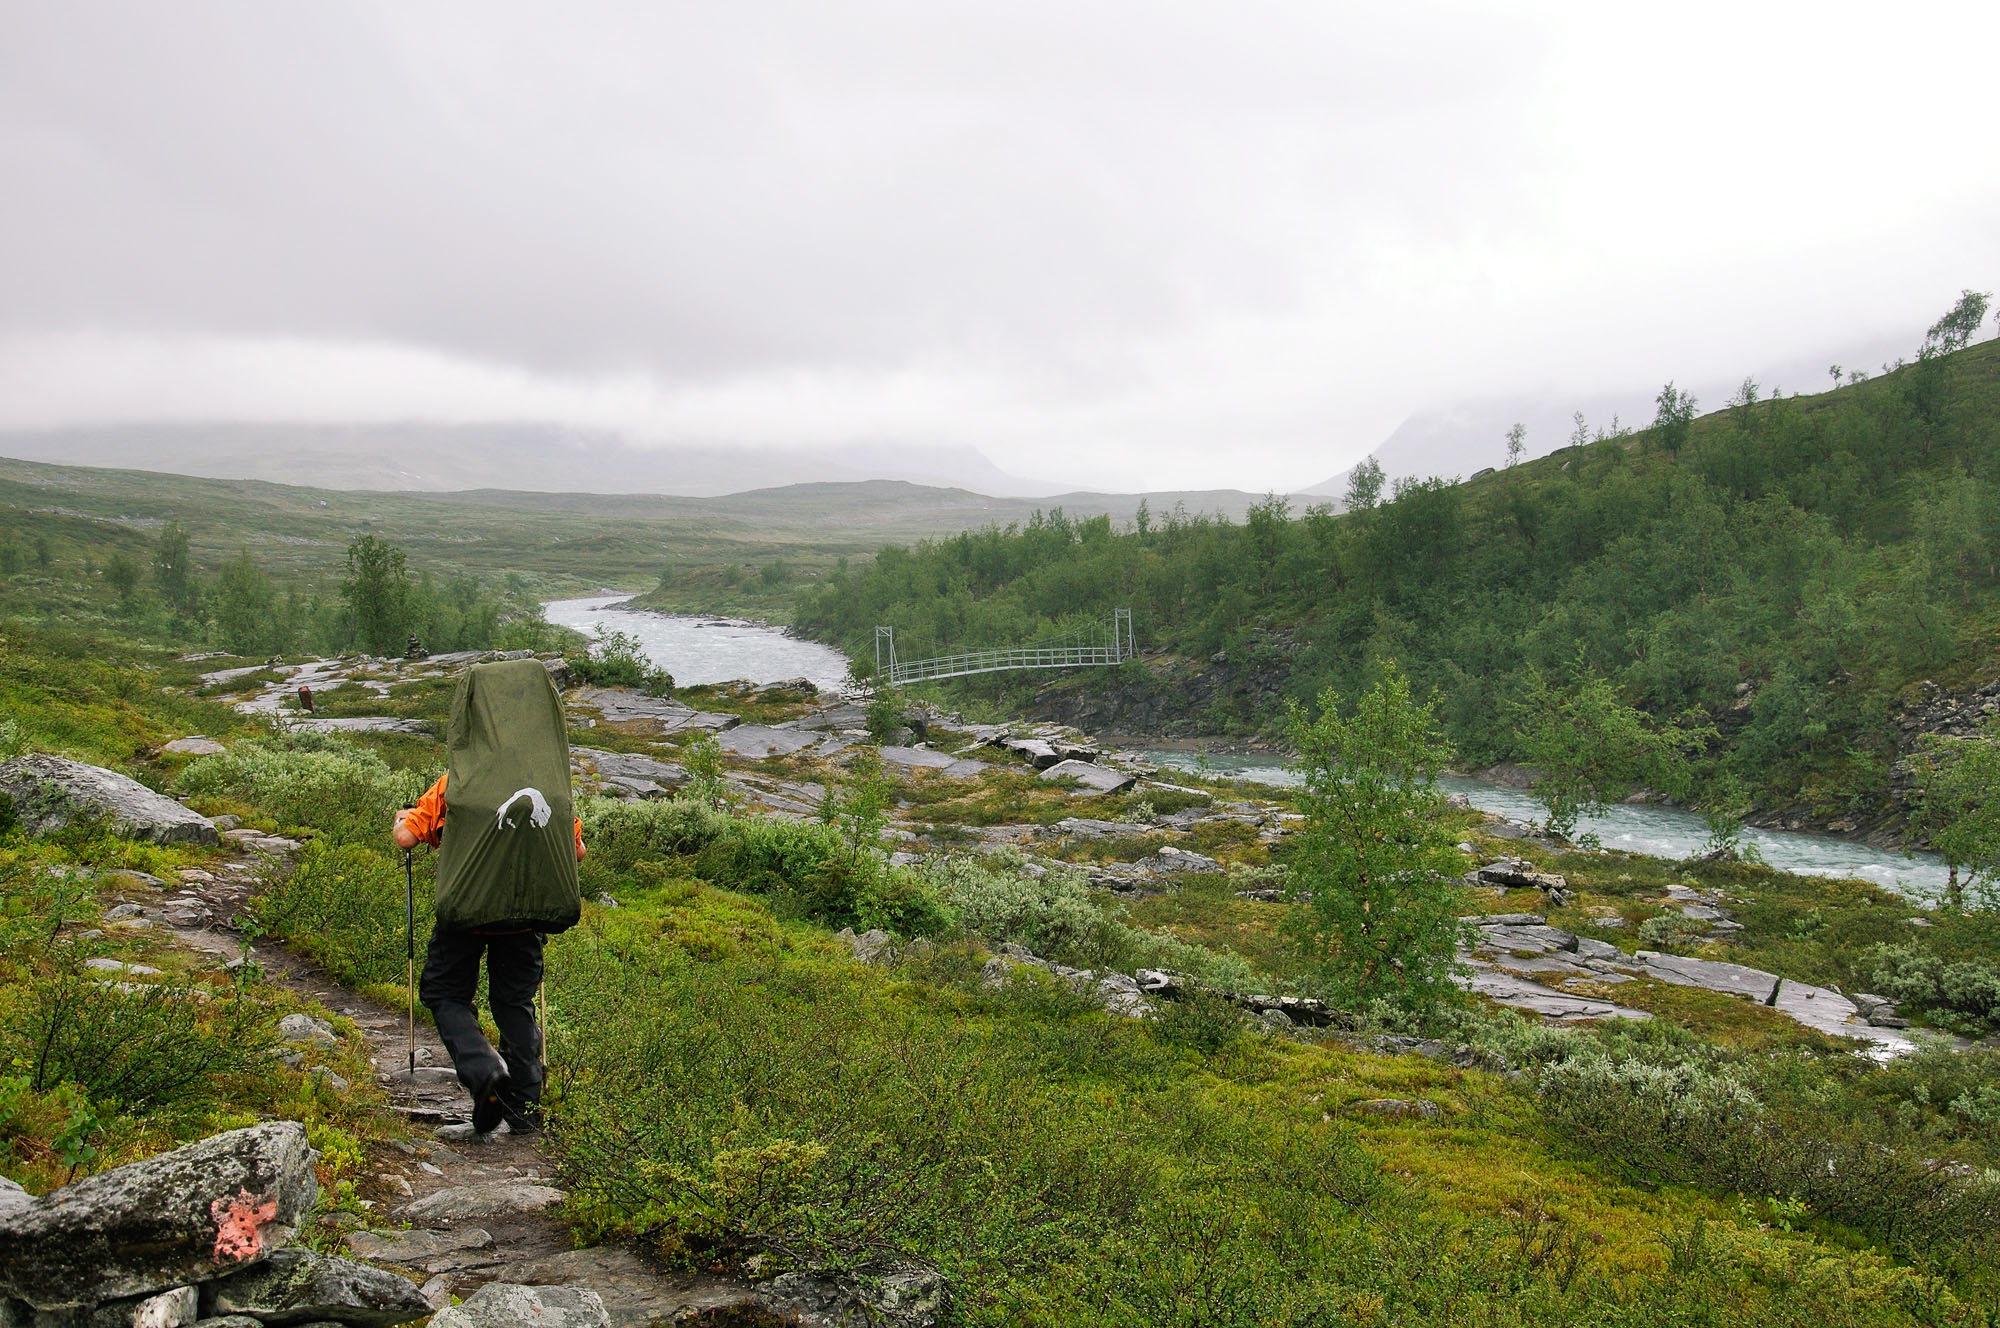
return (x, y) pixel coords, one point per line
(503, 1305)
(197, 1213)
(298, 1286)
(49, 793)
(1096, 778)
(480, 1201)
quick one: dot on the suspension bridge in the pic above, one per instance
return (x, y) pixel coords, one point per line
(1098, 646)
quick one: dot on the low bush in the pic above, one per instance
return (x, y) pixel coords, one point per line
(619, 660)
(342, 906)
(1745, 1128)
(1055, 914)
(133, 1046)
(1966, 992)
(303, 779)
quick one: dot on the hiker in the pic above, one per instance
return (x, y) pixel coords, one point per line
(508, 846)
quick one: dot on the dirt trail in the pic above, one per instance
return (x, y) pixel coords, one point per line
(480, 1209)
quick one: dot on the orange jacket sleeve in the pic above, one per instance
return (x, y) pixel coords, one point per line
(426, 819)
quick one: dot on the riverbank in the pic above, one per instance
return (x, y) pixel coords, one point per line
(698, 649)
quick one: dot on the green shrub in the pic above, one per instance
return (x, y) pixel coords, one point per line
(620, 834)
(1055, 915)
(1746, 1129)
(1966, 988)
(321, 782)
(132, 1046)
(619, 660)
(342, 906)
(1672, 931)
(1202, 1019)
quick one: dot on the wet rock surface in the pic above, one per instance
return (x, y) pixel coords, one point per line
(229, 1202)
(51, 793)
(300, 1287)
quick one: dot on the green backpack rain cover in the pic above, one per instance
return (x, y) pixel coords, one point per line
(508, 854)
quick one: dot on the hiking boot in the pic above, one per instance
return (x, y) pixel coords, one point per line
(489, 1107)
(462, 1133)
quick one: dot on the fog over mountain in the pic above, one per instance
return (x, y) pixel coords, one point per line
(539, 458)
(1119, 246)
(1467, 436)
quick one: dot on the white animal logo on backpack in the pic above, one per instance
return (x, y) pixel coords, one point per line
(538, 815)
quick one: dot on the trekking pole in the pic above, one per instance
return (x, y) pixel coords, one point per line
(410, 936)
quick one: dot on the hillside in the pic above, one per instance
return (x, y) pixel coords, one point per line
(745, 552)
(1787, 569)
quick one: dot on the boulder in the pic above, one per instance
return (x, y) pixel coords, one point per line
(51, 792)
(917, 758)
(873, 946)
(199, 1212)
(911, 1299)
(303, 1029)
(503, 1305)
(1171, 861)
(300, 1286)
(1096, 778)
(480, 1201)
(195, 746)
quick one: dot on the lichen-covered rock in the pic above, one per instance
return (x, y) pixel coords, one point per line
(300, 1286)
(503, 1305)
(197, 1213)
(484, 1199)
(911, 1299)
(49, 793)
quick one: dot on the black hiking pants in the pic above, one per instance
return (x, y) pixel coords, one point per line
(449, 987)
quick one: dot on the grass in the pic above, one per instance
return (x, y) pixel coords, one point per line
(729, 1084)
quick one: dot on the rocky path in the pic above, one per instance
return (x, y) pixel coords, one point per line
(459, 1217)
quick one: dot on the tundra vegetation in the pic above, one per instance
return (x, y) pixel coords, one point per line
(730, 1084)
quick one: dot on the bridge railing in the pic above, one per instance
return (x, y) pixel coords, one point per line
(994, 661)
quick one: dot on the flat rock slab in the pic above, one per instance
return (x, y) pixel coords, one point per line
(485, 1199)
(415, 1249)
(195, 746)
(503, 1304)
(301, 1287)
(1096, 778)
(1534, 938)
(1171, 861)
(1533, 997)
(627, 774)
(917, 758)
(1084, 827)
(196, 1213)
(361, 724)
(841, 717)
(1818, 1008)
(51, 792)
(758, 741)
(617, 705)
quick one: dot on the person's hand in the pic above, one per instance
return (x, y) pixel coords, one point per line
(404, 839)
(579, 853)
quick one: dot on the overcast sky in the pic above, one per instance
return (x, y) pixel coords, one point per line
(1127, 245)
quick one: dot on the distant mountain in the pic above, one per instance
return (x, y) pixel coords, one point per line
(1461, 439)
(531, 457)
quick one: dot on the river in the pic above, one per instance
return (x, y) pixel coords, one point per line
(705, 649)
(1662, 832)
(709, 649)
